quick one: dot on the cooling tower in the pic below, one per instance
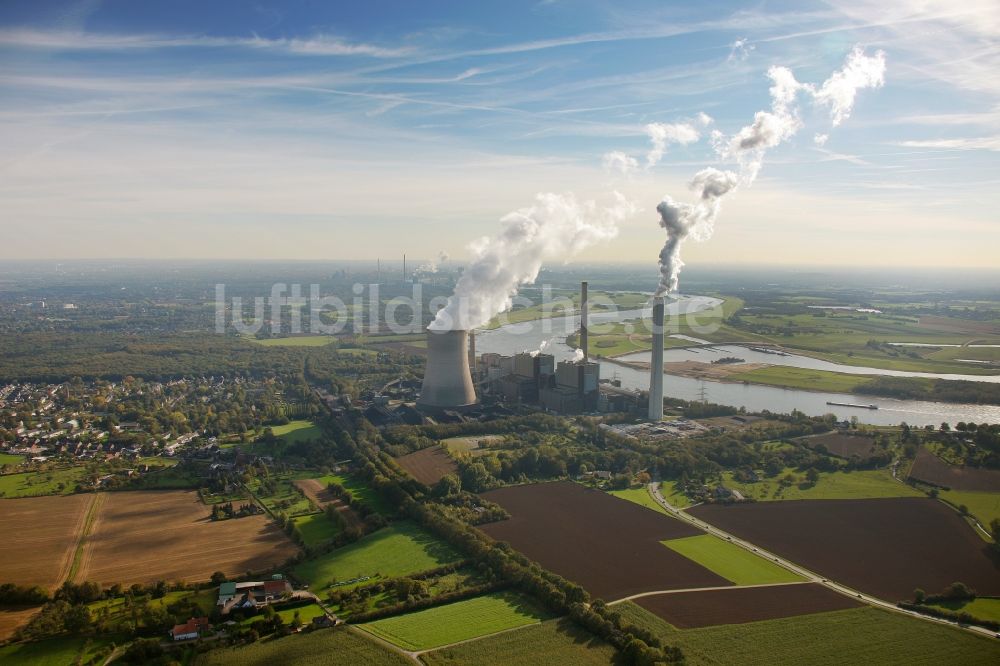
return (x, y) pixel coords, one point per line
(447, 380)
(656, 364)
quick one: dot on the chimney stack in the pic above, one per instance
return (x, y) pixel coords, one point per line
(656, 363)
(584, 321)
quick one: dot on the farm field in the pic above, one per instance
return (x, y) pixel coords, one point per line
(674, 495)
(459, 621)
(868, 635)
(35, 484)
(145, 536)
(400, 549)
(928, 468)
(885, 547)
(359, 490)
(295, 431)
(841, 445)
(10, 459)
(429, 465)
(639, 496)
(732, 562)
(984, 506)
(300, 341)
(43, 554)
(983, 608)
(609, 546)
(553, 642)
(859, 484)
(321, 496)
(689, 610)
(339, 646)
(13, 618)
(56, 652)
(474, 445)
(800, 378)
(315, 528)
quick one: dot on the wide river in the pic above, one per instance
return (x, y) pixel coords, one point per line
(551, 333)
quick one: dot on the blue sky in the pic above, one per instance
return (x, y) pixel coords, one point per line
(350, 130)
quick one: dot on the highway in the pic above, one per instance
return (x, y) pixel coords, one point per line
(654, 491)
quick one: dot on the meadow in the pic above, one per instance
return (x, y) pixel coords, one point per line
(459, 621)
(299, 341)
(983, 608)
(359, 490)
(315, 528)
(730, 561)
(639, 496)
(553, 642)
(865, 484)
(298, 430)
(869, 635)
(984, 506)
(339, 646)
(400, 549)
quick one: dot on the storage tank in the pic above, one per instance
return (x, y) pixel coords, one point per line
(447, 380)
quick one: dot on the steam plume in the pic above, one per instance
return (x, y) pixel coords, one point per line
(621, 162)
(663, 134)
(433, 265)
(556, 226)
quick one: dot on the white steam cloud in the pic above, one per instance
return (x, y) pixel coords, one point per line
(617, 161)
(663, 134)
(557, 226)
(748, 146)
(577, 355)
(433, 265)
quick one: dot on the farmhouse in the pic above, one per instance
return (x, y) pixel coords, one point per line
(253, 594)
(190, 629)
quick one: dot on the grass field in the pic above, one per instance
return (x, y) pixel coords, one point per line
(857, 636)
(339, 647)
(34, 484)
(733, 563)
(295, 431)
(984, 506)
(867, 484)
(301, 341)
(56, 652)
(397, 550)
(553, 643)
(673, 495)
(983, 608)
(287, 615)
(360, 490)
(802, 378)
(639, 496)
(10, 459)
(460, 621)
(315, 528)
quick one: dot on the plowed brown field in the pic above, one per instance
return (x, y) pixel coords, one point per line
(929, 468)
(322, 497)
(428, 465)
(40, 537)
(610, 546)
(689, 610)
(843, 445)
(885, 547)
(145, 536)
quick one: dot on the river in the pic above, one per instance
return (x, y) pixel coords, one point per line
(529, 336)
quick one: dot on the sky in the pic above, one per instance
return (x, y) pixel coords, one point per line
(343, 130)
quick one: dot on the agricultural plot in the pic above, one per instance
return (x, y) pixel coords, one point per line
(609, 546)
(732, 562)
(315, 528)
(689, 610)
(145, 536)
(553, 642)
(885, 547)
(864, 484)
(857, 636)
(359, 490)
(295, 431)
(982, 608)
(43, 536)
(928, 468)
(639, 496)
(985, 507)
(298, 341)
(398, 550)
(321, 496)
(11, 619)
(476, 445)
(56, 651)
(459, 621)
(841, 445)
(429, 465)
(35, 484)
(335, 647)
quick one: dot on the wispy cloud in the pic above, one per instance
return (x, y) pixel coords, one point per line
(975, 143)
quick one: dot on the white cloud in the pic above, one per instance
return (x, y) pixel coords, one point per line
(617, 161)
(663, 134)
(976, 143)
(740, 50)
(821, 139)
(840, 90)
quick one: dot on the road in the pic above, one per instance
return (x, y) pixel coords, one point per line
(654, 491)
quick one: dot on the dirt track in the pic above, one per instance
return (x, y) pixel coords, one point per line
(428, 465)
(884, 547)
(689, 610)
(608, 545)
(929, 468)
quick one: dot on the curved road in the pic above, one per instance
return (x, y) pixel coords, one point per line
(654, 491)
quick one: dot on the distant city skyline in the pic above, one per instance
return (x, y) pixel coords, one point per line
(296, 130)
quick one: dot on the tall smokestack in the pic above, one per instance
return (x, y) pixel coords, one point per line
(583, 321)
(447, 380)
(656, 363)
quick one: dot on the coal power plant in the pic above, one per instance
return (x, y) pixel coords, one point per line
(447, 377)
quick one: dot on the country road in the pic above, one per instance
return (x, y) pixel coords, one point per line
(654, 491)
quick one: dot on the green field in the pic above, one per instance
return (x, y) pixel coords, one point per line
(360, 490)
(802, 378)
(983, 608)
(57, 652)
(674, 496)
(857, 636)
(306, 614)
(553, 643)
(733, 563)
(339, 646)
(114, 610)
(459, 621)
(984, 506)
(10, 459)
(31, 484)
(315, 528)
(400, 549)
(295, 431)
(301, 341)
(639, 496)
(865, 484)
